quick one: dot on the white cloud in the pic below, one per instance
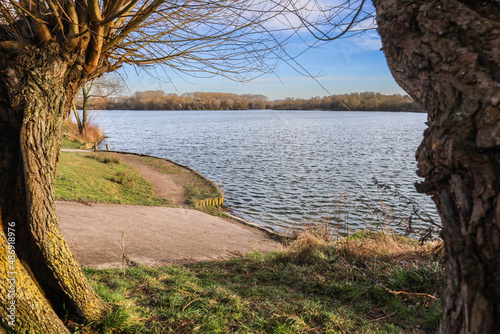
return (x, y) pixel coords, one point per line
(368, 41)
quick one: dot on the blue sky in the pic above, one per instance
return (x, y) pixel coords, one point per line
(347, 65)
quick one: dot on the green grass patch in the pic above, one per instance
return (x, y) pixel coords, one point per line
(199, 189)
(84, 178)
(66, 143)
(328, 291)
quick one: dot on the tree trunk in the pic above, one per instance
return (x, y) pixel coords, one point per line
(23, 308)
(446, 55)
(83, 120)
(33, 102)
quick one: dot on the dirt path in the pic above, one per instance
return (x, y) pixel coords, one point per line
(154, 235)
(164, 184)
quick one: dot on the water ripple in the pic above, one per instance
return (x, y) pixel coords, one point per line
(278, 168)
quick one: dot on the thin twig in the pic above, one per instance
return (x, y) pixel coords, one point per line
(338, 325)
(122, 247)
(386, 316)
(189, 304)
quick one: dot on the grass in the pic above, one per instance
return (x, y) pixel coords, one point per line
(102, 177)
(197, 187)
(316, 286)
(98, 178)
(66, 143)
(104, 158)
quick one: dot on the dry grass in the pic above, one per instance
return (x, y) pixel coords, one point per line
(410, 271)
(383, 245)
(388, 247)
(91, 136)
(379, 250)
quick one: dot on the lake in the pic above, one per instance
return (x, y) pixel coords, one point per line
(283, 168)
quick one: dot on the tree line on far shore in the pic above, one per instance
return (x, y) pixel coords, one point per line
(159, 100)
(366, 101)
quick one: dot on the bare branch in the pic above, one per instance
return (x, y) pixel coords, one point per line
(55, 13)
(94, 11)
(94, 49)
(6, 14)
(234, 38)
(134, 24)
(73, 28)
(83, 22)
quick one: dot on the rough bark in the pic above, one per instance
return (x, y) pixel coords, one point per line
(34, 89)
(23, 308)
(446, 55)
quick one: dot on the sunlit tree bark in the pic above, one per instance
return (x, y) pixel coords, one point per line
(22, 303)
(34, 93)
(445, 54)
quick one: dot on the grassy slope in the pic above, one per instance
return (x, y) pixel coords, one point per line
(83, 177)
(69, 178)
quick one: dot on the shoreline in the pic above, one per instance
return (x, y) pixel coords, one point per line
(272, 232)
(182, 232)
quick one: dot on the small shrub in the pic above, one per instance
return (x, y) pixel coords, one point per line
(104, 158)
(123, 177)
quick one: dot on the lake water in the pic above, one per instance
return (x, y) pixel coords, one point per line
(280, 168)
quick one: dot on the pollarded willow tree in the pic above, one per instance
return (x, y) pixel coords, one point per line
(446, 55)
(48, 50)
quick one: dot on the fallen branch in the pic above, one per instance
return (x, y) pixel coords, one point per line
(411, 294)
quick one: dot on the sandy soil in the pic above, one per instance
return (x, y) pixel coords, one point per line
(101, 235)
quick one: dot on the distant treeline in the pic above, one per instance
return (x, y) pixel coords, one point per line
(159, 100)
(367, 101)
